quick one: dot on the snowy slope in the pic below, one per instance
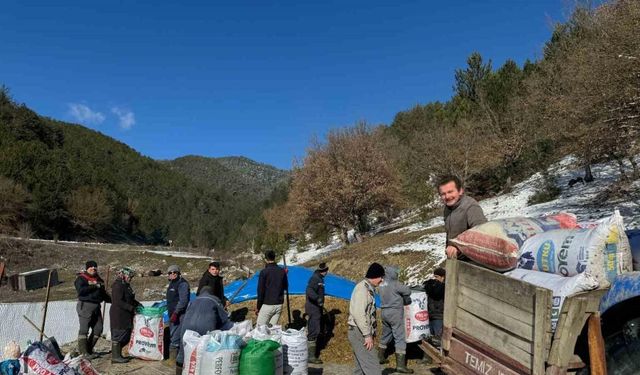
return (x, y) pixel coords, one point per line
(584, 200)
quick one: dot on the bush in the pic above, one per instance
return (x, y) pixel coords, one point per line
(548, 190)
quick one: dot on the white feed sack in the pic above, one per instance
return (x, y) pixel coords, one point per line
(601, 251)
(217, 352)
(296, 354)
(416, 318)
(561, 286)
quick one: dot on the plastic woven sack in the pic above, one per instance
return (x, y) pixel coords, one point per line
(295, 351)
(258, 357)
(274, 333)
(10, 367)
(416, 318)
(598, 251)
(562, 287)
(41, 361)
(147, 339)
(496, 244)
(217, 352)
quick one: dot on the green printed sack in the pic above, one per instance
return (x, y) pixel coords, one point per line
(258, 358)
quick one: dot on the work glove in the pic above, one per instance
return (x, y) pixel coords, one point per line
(175, 318)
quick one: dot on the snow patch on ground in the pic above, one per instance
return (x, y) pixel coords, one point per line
(427, 243)
(311, 251)
(178, 254)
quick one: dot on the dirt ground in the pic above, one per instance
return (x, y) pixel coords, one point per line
(69, 259)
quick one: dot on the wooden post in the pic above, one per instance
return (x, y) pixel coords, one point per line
(104, 306)
(598, 362)
(46, 306)
(284, 260)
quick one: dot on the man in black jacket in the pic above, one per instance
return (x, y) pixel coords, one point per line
(212, 279)
(313, 308)
(123, 308)
(435, 302)
(177, 300)
(272, 283)
(91, 293)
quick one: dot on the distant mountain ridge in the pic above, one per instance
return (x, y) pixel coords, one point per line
(238, 175)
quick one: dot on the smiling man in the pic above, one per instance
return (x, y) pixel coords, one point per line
(461, 212)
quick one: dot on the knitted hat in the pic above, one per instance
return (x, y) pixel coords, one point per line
(322, 267)
(125, 271)
(91, 263)
(440, 272)
(173, 268)
(375, 270)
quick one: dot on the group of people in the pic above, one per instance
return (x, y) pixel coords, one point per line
(208, 311)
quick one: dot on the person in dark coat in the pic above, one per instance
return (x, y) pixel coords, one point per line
(313, 308)
(123, 308)
(212, 278)
(91, 293)
(205, 314)
(272, 283)
(177, 300)
(435, 302)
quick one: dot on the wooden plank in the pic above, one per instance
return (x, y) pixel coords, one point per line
(476, 362)
(482, 347)
(450, 301)
(569, 326)
(512, 291)
(451, 367)
(432, 352)
(541, 328)
(502, 341)
(597, 360)
(496, 312)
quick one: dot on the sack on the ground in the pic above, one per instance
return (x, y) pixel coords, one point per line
(416, 318)
(496, 244)
(561, 287)
(147, 340)
(274, 333)
(217, 352)
(40, 360)
(242, 329)
(295, 352)
(259, 357)
(10, 367)
(81, 365)
(600, 251)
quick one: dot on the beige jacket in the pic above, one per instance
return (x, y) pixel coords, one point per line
(362, 308)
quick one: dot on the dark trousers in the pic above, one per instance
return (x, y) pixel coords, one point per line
(90, 317)
(314, 314)
(122, 336)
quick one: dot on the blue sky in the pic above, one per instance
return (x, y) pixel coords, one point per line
(252, 78)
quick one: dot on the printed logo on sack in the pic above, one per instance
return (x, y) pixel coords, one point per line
(51, 359)
(546, 257)
(526, 261)
(422, 316)
(146, 332)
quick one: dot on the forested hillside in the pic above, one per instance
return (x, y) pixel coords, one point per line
(238, 175)
(581, 97)
(59, 180)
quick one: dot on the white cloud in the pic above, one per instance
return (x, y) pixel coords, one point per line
(126, 117)
(83, 114)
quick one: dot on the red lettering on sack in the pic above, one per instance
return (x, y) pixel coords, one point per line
(146, 332)
(422, 316)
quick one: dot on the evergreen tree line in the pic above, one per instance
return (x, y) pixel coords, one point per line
(582, 97)
(64, 181)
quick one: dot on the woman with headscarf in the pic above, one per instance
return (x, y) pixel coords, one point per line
(123, 308)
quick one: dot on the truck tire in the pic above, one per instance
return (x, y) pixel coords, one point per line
(623, 350)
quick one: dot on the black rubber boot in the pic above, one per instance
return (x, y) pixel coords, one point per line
(178, 368)
(83, 348)
(116, 353)
(381, 357)
(401, 364)
(311, 345)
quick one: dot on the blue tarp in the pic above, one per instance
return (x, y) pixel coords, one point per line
(335, 286)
